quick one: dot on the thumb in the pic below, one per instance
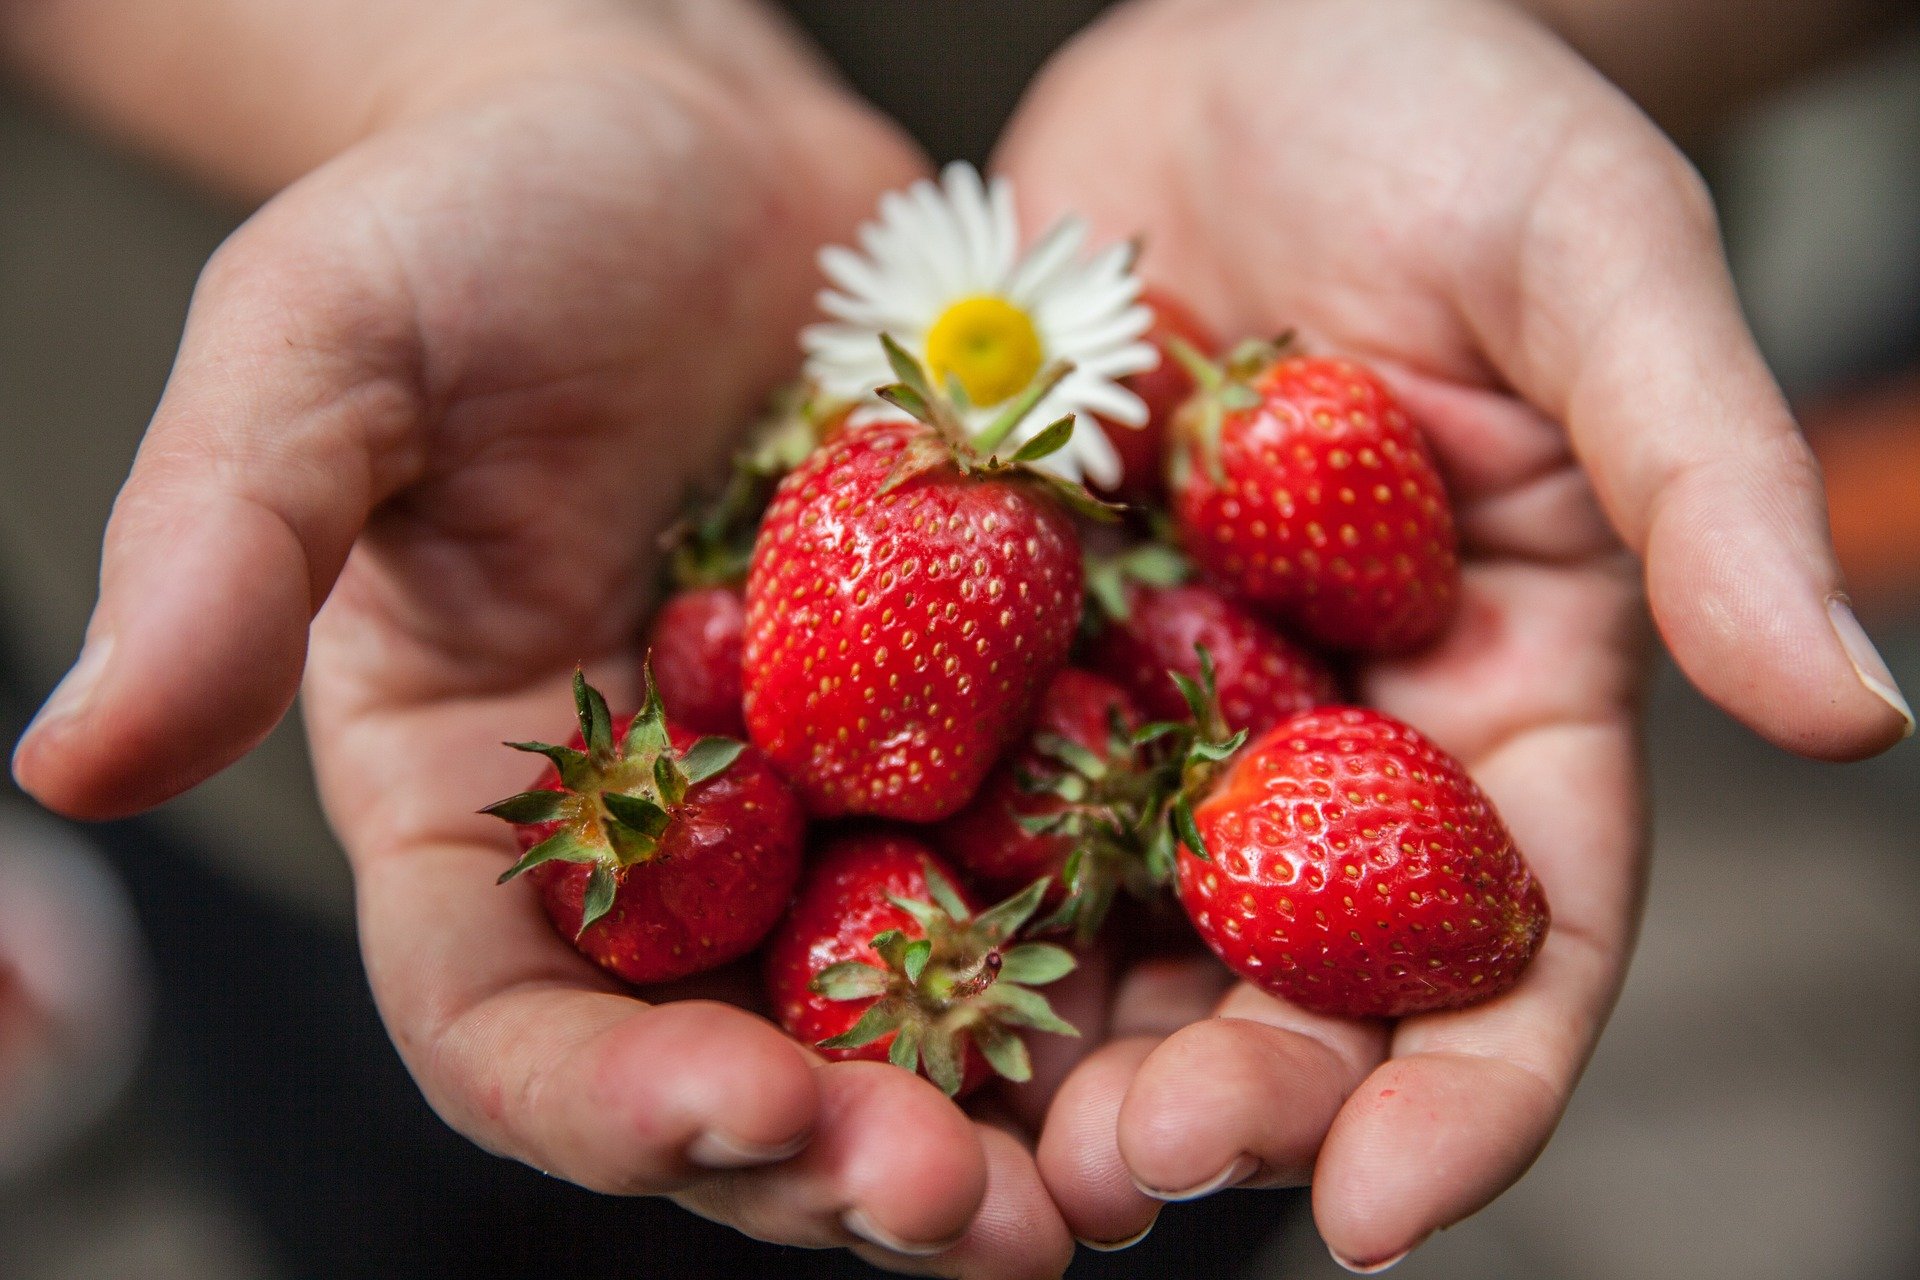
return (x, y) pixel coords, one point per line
(1632, 335)
(287, 417)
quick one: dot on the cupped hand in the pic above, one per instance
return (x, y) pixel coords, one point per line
(1443, 189)
(433, 405)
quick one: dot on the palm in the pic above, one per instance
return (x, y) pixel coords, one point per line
(469, 367)
(1296, 171)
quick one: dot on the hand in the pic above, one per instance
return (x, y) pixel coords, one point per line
(452, 384)
(1443, 189)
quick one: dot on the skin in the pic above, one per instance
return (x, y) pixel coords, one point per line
(1445, 190)
(435, 398)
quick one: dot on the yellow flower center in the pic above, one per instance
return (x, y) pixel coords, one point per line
(986, 344)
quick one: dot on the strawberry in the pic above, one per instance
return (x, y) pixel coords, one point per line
(1301, 485)
(1352, 867)
(658, 853)
(1150, 625)
(882, 958)
(694, 645)
(910, 597)
(1164, 388)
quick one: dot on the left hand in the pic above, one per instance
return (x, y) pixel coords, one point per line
(1444, 190)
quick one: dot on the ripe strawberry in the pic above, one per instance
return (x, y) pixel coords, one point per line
(1301, 485)
(910, 597)
(659, 854)
(883, 959)
(1355, 869)
(694, 645)
(1150, 626)
(1164, 388)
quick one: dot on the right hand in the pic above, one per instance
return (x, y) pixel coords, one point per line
(449, 386)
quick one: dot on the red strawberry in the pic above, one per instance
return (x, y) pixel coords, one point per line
(1149, 630)
(1301, 484)
(694, 645)
(659, 854)
(909, 599)
(1164, 388)
(1355, 869)
(883, 959)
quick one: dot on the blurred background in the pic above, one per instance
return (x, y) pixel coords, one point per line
(193, 1082)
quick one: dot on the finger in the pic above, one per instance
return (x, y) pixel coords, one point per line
(1628, 329)
(1017, 1234)
(288, 415)
(892, 1163)
(525, 1047)
(1245, 1097)
(1079, 1151)
(1471, 1097)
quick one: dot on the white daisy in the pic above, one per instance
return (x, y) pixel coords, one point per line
(942, 272)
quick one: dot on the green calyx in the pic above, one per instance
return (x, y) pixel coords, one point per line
(966, 980)
(1221, 387)
(1206, 745)
(1128, 812)
(616, 799)
(1110, 807)
(712, 544)
(1156, 563)
(976, 453)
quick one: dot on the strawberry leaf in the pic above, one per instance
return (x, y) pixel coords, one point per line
(1022, 1007)
(1189, 829)
(668, 779)
(995, 433)
(941, 1055)
(709, 757)
(1004, 920)
(562, 846)
(629, 845)
(1214, 752)
(1072, 754)
(946, 895)
(529, 807)
(904, 1052)
(850, 980)
(1004, 1051)
(637, 812)
(601, 886)
(1035, 964)
(926, 913)
(647, 735)
(1047, 442)
(575, 769)
(905, 368)
(914, 963)
(596, 723)
(881, 1017)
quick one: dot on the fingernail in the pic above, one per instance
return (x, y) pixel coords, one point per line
(716, 1150)
(1370, 1268)
(1231, 1176)
(1867, 662)
(1115, 1246)
(70, 696)
(858, 1223)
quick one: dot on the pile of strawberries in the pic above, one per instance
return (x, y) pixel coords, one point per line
(892, 684)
